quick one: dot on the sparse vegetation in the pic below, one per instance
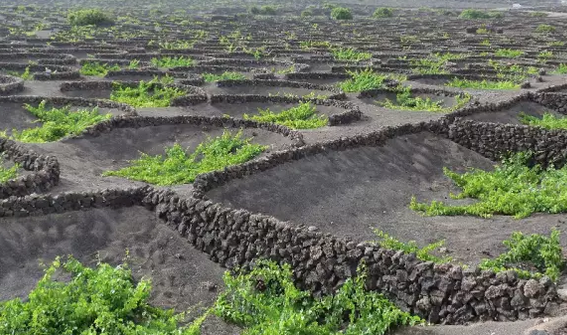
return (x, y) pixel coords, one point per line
(545, 29)
(179, 167)
(303, 116)
(513, 188)
(152, 93)
(56, 123)
(341, 13)
(172, 62)
(7, 173)
(425, 254)
(97, 69)
(350, 54)
(279, 307)
(85, 17)
(475, 14)
(483, 84)
(406, 101)
(103, 300)
(548, 121)
(561, 69)
(363, 80)
(383, 12)
(509, 53)
(211, 77)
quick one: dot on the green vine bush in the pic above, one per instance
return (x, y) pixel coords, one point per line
(425, 254)
(265, 301)
(512, 188)
(97, 69)
(530, 256)
(364, 80)
(152, 93)
(179, 167)
(303, 116)
(406, 101)
(547, 121)
(484, 84)
(103, 300)
(56, 123)
(7, 173)
(211, 77)
(341, 13)
(86, 17)
(172, 62)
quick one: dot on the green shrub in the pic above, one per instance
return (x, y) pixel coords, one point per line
(538, 14)
(512, 188)
(307, 13)
(474, 14)
(97, 69)
(104, 300)
(178, 167)
(254, 10)
(85, 17)
(211, 77)
(545, 29)
(56, 123)
(540, 255)
(172, 62)
(350, 54)
(425, 254)
(267, 10)
(483, 84)
(509, 53)
(383, 12)
(303, 116)
(341, 13)
(362, 81)
(548, 121)
(7, 173)
(405, 101)
(26, 75)
(266, 301)
(561, 69)
(147, 94)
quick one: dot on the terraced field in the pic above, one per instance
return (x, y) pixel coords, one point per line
(400, 144)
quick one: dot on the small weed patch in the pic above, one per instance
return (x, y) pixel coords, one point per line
(26, 75)
(545, 29)
(172, 62)
(266, 301)
(303, 116)
(475, 14)
(530, 256)
(425, 254)
(97, 69)
(7, 173)
(483, 84)
(512, 188)
(350, 54)
(56, 123)
(147, 94)
(561, 69)
(178, 167)
(103, 300)
(406, 101)
(548, 121)
(508, 53)
(211, 77)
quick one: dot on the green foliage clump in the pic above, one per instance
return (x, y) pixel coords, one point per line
(171, 62)
(435, 63)
(561, 69)
(307, 13)
(509, 53)
(86, 17)
(303, 116)
(483, 84)
(341, 13)
(383, 12)
(56, 123)
(425, 254)
(97, 69)
(211, 77)
(26, 75)
(266, 301)
(178, 167)
(512, 188)
(406, 101)
(146, 94)
(548, 121)
(475, 14)
(362, 81)
(530, 256)
(350, 54)
(7, 173)
(545, 29)
(103, 300)
(264, 10)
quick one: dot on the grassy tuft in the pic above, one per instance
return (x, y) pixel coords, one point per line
(179, 167)
(147, 94)
(530, 256)
(211, 77)
(512, 188)
(266, 301)
(405, 101)
(56, 123)
(483, 84)
(97, 69)
(172, 62)
(303, 116)
(103, 300)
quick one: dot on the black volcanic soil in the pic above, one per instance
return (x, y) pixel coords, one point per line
(348, 192)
